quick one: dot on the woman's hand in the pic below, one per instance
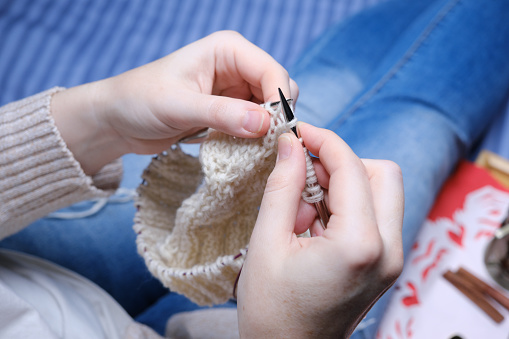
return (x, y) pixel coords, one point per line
(322, 286)
(215, 82)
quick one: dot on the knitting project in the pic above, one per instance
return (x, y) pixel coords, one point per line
(195, 216)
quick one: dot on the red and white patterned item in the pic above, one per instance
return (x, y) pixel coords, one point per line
(456, 234)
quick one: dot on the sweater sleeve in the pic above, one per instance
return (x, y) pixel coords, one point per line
(38, 173)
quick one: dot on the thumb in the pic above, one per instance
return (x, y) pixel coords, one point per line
(236, 117)
(280, 203)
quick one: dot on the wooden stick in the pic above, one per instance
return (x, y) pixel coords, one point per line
(484, 287)
(474, 295)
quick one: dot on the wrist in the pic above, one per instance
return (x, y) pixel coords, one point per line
(79, 114)
(278, 314)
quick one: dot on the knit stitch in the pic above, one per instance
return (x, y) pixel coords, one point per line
(195, 216)
(313, 192)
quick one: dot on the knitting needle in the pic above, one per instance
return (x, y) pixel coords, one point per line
(321, 207)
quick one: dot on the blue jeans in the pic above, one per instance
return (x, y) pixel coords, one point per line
(416, 82)
(412, 81)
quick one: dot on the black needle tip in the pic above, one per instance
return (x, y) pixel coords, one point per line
(287, 110)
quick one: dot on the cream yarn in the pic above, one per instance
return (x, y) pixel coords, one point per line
(194, 237)
(195, 216)
(313, 192)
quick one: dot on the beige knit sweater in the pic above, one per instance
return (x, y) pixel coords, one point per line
(38, 174)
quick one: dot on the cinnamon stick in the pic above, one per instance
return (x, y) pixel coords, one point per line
(474, 295)
(484, 287)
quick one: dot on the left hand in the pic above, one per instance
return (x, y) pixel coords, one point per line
(215, 82)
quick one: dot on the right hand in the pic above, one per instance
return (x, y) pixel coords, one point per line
(321, 286)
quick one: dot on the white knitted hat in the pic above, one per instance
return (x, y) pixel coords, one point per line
(195, 217)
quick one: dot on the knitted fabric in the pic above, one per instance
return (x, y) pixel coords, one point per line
(195, 216)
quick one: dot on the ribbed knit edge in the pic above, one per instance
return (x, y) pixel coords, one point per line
(108, 178)
(38, 173)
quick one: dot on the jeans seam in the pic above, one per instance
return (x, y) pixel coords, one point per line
(364, 98)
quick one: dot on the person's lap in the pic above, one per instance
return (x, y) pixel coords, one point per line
(419, 95)
(424, 89)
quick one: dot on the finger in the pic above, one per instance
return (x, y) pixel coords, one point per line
(350, 200)
(294, 91)
(316, 228)
(280, 203)
(259, 69)
(386, 183)
(232, 116)
(321, 174)
(308, 216)
(305, 217)
(196, 135)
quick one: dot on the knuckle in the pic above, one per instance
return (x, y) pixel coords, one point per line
(284, 72)
(395, 265)
(390, 169)
(277, 182)
(368, 254)
(232, 33)
(294, 88)
(226, 34)
(217, 111)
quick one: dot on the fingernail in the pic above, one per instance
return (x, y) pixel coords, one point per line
(253, 121)
(284, 147)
